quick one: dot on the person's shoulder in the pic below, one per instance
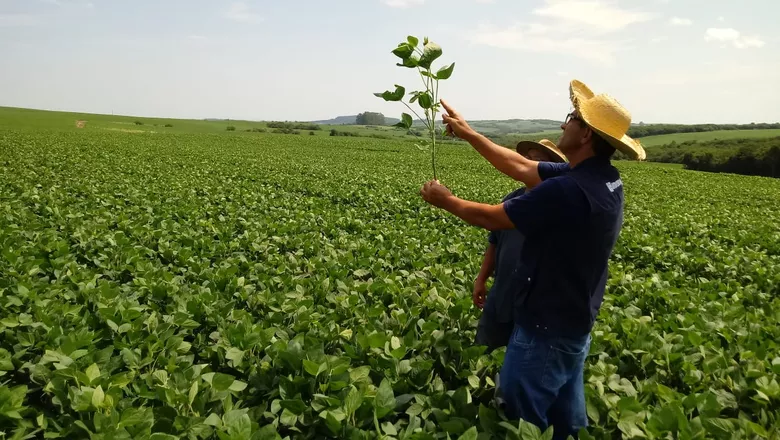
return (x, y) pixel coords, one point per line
(516, 193)
(548, 170)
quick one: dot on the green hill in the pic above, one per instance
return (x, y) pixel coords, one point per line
(664, 139)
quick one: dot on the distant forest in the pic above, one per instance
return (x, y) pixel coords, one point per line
(639, 131)
(757, 157)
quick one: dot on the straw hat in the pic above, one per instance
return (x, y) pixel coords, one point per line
(606, 117)
(543, 144)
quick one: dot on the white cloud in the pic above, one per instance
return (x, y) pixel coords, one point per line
(596, 15)
(677, 21)
(524, 38)
(485, 1)
(570, 27)
(721, 19)
(656, 40)
(197, 37)
(733, 36)
(562, 73)
(18, 20)
(402, 3)
(239, 11)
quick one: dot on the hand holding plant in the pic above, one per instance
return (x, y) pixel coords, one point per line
(413, 57)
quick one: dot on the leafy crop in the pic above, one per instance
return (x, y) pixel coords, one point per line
(261, 287)
(414, 57)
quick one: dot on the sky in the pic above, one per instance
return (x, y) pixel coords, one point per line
(666, 61)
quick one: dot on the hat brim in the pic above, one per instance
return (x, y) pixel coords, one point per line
(523, 147)
(626, 145)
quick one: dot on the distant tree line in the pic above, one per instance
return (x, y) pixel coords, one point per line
(334, 132)
(370, 118)
(294, 125)
(758, 157)
(639, 131)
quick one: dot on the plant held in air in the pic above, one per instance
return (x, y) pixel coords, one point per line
(414, 57)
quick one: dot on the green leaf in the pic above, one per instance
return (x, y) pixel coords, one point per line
(384, 402)
(353, 401)
(719, 428)
(413, 41)
(296, 406)
(93, 372)
(529, 431)
(267, 432)
(396, 95)
(445, 72)
(405, 122)
(425, 100)
(389, 429)
(288, 418)
(403, 51)
(235, 355)
(98, 397)
(193, 391)
(213, 420)
(431, 51)
(359, 374)
(488, 419)
(474, 381)
(237, 386)
(411, 62)
(311, 367)
(222, 382)
(162, 436)
(471, 434)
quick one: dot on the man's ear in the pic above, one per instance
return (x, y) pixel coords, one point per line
(587, 136)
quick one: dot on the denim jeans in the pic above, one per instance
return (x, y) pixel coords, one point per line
(542, 381)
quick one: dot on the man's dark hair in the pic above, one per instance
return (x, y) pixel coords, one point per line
(601, 147)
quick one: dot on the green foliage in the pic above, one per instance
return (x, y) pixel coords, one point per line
(639, 131)
(334, 132)
(370, 118)
(213, 286)
(230, 128)
(139, 123)
(759, 157)
(168, 125)
(294, 125)
(285, 130)
(413, 57)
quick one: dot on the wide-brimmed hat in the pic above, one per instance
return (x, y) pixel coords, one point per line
(545, 145)
(606, 117)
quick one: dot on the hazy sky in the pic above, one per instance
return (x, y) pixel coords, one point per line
(687, 61)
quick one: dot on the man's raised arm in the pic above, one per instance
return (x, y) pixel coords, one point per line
(509, 162)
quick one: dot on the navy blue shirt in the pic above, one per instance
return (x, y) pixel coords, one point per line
(509, 243)
(571, 222)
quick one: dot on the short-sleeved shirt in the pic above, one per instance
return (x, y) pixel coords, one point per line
(509, 243)
(571, 222)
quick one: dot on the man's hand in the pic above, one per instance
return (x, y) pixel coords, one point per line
(435, 193)
(456, 125)
(480, 293)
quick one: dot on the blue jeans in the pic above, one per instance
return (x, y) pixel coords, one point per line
(542, 381)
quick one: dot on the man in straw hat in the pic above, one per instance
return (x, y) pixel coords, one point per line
(501, 260)
(571, 221)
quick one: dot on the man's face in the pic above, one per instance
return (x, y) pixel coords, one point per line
(538, 155)
(573, 131)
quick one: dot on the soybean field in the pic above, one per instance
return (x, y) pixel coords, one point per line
(264, 286)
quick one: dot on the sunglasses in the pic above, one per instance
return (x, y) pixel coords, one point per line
(571, 116)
